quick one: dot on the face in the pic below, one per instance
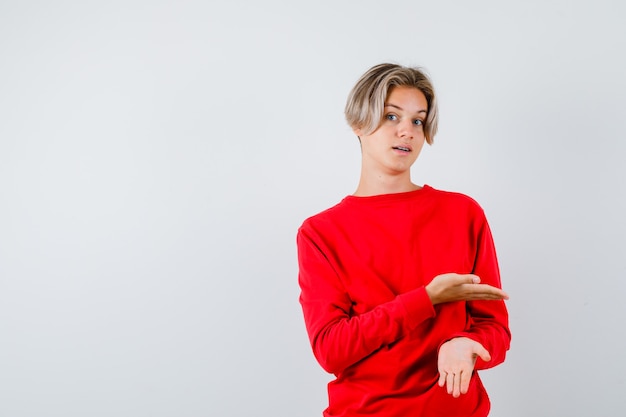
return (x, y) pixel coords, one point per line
(395, 145)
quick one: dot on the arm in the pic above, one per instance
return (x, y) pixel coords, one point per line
(489, 320)
(340, 339)
(488, 337)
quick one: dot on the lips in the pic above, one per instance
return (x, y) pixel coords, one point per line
(402, 148)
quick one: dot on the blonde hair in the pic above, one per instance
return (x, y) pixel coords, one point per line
(365, 105)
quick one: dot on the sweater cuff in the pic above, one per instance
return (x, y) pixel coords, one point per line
(418, 307)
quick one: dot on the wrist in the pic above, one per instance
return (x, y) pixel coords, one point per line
(432, 294)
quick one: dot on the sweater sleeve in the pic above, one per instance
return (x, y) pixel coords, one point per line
(489, 321)
(338, 337)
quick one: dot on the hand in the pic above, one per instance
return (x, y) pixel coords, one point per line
(461, 287)
(456, 363)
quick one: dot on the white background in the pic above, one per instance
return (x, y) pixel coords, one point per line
(157, 158)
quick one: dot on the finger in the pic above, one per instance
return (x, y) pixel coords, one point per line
(496, 292)
(442, 379)
(487, 292)
(468, 279)
(450, 382)
(482, 352)
(479, 350)
(466, 377)
(456, 391)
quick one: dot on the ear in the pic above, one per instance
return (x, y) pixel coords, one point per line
(358, 132)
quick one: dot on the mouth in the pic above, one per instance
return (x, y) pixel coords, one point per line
(402, 148)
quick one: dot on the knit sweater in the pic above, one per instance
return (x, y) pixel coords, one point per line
(364, 265)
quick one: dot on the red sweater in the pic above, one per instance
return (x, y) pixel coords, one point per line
(364, 264)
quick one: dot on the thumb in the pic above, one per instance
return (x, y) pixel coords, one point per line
(472, 279)
(482, 352)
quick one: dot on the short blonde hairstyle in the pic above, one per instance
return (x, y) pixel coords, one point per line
(366, 102)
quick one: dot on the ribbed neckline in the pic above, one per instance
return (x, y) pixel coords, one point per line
(385, 198)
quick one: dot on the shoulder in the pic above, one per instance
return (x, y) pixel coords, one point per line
(325, 218)
(456, 202)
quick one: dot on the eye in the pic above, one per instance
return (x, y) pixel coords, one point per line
(418, 122)
(391, 116)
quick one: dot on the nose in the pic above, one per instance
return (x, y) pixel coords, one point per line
(405, 129)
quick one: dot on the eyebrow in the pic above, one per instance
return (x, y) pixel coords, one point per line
(400, 108)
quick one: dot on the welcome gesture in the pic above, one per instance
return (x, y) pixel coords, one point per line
(451, 287)
(379, 346)
(456, 361)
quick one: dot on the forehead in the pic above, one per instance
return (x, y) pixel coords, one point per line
(410, 98)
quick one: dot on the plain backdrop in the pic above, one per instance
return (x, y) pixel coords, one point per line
(157, 158)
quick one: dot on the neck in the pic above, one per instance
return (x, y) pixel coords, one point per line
(370, 185)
